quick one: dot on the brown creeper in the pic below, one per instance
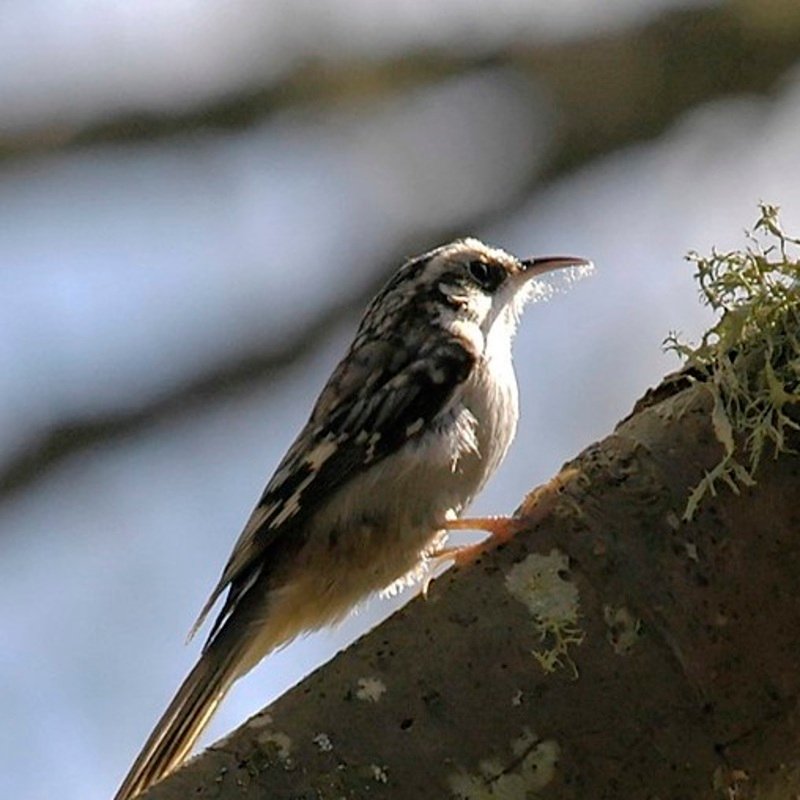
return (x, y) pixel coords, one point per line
(413, 421)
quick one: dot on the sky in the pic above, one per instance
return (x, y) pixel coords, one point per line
(127, 270)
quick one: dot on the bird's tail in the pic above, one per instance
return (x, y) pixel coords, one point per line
(184, 720)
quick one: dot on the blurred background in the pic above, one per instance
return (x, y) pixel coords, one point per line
(196, 200)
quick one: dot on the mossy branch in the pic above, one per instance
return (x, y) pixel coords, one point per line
(750, 359)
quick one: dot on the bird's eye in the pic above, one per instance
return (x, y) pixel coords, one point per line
(487, 276)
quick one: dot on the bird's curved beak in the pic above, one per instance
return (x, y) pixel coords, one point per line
(538, 266)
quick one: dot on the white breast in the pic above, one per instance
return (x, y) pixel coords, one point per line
(375, 531)
(492, 396)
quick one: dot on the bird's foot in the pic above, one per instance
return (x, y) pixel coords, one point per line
(538, 505)
(500, 528)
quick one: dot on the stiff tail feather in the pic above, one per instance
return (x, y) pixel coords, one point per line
(183, 721)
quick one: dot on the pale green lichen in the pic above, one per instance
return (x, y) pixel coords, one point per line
(731, 783)
(379, 774)
(750, 359)
(323, 742)
(274, 742)
(624, 629)
(541, 583)
(530, 769)
(370, 690)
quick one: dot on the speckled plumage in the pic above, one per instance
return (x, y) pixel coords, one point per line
(413, 421)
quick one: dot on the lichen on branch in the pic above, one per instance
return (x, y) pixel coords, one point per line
(750, 359)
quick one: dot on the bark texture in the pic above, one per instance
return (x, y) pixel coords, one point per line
(678, 678)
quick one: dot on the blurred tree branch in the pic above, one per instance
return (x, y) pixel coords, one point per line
(610, 650)
(228, 379)
(608, 92)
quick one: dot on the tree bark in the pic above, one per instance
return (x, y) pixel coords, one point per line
(677, 677)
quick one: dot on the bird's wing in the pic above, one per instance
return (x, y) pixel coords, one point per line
(380, 396)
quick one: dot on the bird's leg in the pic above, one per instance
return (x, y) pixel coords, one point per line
(536, 507)
(500, 529)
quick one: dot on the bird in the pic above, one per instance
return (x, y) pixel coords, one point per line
(411, 424)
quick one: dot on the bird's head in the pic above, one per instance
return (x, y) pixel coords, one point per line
(466, 287)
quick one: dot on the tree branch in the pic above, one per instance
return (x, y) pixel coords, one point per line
(609, 651)
(641, 79)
